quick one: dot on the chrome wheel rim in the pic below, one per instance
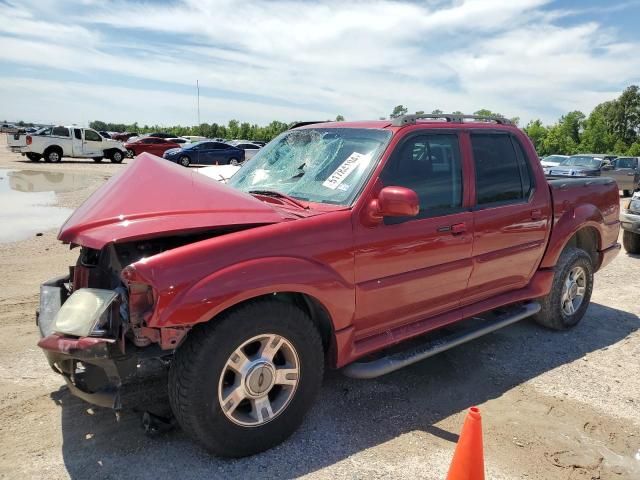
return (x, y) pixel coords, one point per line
(573, 290)
(184, 161)
(130, 153)
(259, 380)
(54, 157)
(117, 156)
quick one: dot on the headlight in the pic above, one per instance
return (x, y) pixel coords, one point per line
(634, 205)
(49, 306)
(86, 312)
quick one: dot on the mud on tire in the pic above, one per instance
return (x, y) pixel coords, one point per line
(202, 363)
(554, 313)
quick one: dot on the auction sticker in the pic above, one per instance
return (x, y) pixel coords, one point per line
(343, 171)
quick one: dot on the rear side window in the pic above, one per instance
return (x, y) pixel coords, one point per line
(60, 131)
(502, 172)
(77, 133)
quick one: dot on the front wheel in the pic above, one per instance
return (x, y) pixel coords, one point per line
(570, 293)
(185, 161)
(130, 153)
(243, 383)
(631, 242)
(234, 162)
(116, 156)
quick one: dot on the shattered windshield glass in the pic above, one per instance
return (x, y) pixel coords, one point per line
(325, 165)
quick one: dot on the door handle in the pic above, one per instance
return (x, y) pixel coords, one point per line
(454, 229)
(536, 214)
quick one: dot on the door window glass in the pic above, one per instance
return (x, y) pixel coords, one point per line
(60, 131)
(501, 176)
(92, 136)
(431, 166)
(77, 133)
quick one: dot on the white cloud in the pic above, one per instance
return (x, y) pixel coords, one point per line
(313, 60)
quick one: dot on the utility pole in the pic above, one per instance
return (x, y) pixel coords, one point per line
(198, 90)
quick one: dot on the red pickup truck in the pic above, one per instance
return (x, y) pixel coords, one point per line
(334, 243)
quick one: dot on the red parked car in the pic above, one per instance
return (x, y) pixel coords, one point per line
(336, 242)
(154, 145)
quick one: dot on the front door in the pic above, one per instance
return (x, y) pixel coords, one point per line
(77, 143)
(511, 217)
(409, 269)
(92, 146)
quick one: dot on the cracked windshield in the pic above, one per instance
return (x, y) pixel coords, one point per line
(317, 165)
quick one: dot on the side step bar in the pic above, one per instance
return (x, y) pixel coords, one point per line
(396, 361)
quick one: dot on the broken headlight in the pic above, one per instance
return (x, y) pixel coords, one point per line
(86, 313)
(49, 305)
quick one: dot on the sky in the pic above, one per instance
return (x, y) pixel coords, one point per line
(74, 61)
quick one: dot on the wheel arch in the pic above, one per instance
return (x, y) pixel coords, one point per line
(581, 228)
(55, 147)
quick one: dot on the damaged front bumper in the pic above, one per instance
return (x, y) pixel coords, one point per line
(94, 367)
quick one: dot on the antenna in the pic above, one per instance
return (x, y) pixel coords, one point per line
(198, 90)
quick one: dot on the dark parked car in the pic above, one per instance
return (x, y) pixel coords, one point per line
(161, 135)
(154, 145)
(578, 166)
(206, 153)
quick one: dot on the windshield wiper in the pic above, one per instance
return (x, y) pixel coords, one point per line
(276, 194)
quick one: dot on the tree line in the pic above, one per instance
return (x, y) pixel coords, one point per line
(613, 127)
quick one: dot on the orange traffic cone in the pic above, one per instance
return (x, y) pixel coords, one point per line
(468, 459)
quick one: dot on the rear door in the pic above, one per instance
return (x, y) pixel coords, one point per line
(624, 172)
(511, 216)
(77, 142)
(93, 145)
(412, 268)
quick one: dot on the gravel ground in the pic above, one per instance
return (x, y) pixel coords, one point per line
(554, 405)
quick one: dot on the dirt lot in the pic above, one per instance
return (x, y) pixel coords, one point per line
(554, 405)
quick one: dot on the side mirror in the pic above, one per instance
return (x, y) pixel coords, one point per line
(392, 202)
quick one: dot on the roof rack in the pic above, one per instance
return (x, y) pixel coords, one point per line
(410, 119)
(302, 124)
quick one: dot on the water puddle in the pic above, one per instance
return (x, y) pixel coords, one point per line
(28, 198)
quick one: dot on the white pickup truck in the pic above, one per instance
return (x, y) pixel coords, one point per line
(75, 142)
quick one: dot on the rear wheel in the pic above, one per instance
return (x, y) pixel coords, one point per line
(570, 293)
(185, 161)
(234, 161)
(53, 155)
(631, 242)
(34, 157)
(130, 153)
(626, 193)
(243, 384)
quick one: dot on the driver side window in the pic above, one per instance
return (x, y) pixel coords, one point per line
(92, 136)
(431, 166)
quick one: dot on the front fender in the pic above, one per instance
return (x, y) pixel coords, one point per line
(565, 227)
(242, 281)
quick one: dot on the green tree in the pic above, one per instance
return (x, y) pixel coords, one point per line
(339, 118)
(398, 111)
(437, 111)
(634, 150)
(537, 133)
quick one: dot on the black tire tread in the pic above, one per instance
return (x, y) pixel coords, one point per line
(550, 316)
(631, 242)
(185, 373)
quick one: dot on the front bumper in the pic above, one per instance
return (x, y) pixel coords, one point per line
(93, 368)
(630, 222)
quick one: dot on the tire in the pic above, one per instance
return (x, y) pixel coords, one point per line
(34, 157)
(53, 155)
(631, 242)
(116, 156)
(97, 159)
(234, 161)
(555, 306)
(201, 369)
(626, 193)
(130, 153)
(184, 161)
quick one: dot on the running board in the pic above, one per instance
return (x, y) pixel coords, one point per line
(396, 361)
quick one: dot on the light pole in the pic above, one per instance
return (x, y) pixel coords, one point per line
(198, 90)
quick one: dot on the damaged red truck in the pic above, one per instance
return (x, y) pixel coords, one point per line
(334, 243)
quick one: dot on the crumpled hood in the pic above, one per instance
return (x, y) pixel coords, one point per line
(153, 197)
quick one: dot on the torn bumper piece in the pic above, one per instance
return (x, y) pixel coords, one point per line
(94, 368)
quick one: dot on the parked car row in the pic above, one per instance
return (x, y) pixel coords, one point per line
(624, 170)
